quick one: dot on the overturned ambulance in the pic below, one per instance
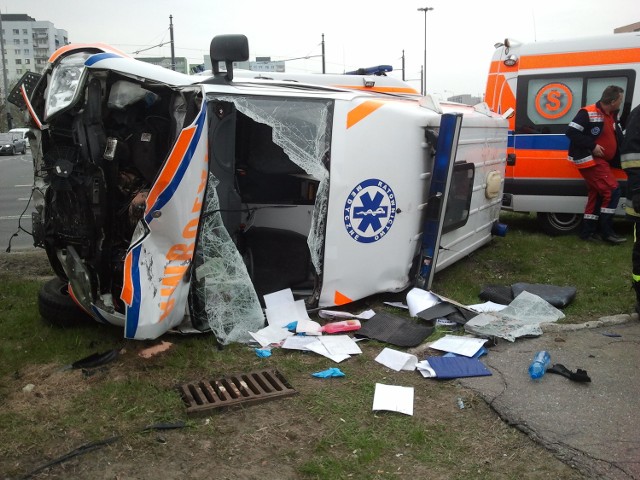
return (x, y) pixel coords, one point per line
(165, 200)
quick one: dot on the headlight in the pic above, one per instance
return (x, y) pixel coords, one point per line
(65, 84)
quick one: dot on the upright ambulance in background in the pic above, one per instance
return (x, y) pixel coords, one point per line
(546, 83)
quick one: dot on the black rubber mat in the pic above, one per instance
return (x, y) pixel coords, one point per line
(557, 296)
(496, 293)
(396, 330)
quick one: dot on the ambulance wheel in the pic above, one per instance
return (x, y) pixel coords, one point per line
(559, 223)
(56, 305)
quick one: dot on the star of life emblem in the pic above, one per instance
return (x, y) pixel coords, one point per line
(369, 211)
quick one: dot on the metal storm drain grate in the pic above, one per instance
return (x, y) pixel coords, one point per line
(249, 388)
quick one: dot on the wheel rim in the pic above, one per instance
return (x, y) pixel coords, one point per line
(564, 222)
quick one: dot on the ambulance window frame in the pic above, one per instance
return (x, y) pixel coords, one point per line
(525, 126)
(454, 216)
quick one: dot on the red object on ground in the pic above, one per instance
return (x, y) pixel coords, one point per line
(344, 326)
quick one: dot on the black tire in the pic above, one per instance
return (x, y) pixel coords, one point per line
(556, 224)
(57, 307)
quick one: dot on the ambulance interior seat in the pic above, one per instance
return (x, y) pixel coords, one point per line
(275, 258)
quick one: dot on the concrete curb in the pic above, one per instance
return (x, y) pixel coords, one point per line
(601, 322)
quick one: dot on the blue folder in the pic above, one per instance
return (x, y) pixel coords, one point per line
(456, 367)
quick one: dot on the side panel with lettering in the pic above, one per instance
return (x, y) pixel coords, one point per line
(157, 267)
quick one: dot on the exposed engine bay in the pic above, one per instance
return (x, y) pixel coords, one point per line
(100, 159)
(102, 156)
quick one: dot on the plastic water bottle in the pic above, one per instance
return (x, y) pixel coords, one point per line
(539, 365)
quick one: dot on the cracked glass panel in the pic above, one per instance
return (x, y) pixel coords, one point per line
(301, 129)
(225, 299)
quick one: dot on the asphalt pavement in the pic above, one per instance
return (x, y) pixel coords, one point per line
(594, 426)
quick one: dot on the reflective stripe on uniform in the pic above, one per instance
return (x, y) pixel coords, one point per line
(590, 216)
(608, 210)
(577, 126)
(630, 160)
(596, 117)
(583, 162)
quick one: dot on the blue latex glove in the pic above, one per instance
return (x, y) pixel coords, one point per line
(292, 326)
(263, 352)
(331, 372)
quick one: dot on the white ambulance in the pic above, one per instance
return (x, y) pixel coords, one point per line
(545, 84)
(165, 200)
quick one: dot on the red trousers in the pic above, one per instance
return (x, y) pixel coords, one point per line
(601, 184)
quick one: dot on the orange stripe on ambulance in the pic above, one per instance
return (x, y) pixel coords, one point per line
(179, 255)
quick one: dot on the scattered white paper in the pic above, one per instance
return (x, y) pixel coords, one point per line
(397, 305)
(467, 346)
(318, 347)
(397, 360)
(425, 369)
(308, 327)
(393, 398)
(270, 334)
(331, 314)
(278, 298)
(419, 300)
(487, 307)
(281, 308)
(340, 345)
(298, 342)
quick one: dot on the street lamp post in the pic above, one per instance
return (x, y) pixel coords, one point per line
(424, 67)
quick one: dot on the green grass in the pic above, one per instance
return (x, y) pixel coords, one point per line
(600, 272)
(328, 430)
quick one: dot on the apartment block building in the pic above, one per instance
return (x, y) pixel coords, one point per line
(27, 44)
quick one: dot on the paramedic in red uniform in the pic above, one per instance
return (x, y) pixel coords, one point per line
(595, 135)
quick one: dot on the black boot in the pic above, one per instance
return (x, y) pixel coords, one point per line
(606, 229)
(589, 227)
(636, 287)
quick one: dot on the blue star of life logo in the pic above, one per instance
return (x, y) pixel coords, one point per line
(369, 211)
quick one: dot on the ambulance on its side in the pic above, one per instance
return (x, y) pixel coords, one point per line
(546, 83)
(166, 200)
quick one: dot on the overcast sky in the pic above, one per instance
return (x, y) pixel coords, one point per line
(460, 33)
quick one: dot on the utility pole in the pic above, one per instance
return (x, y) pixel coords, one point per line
(173, 53)
(323, 65)
(424, 67)
(403, 65)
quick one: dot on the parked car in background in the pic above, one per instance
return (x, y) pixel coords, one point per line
(23, 134)
(12, 144)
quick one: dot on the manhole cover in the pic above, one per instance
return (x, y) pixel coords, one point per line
(246, 388)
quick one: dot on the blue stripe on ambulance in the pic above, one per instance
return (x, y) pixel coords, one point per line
(538, 141)
(93, 59)
(133, 311)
